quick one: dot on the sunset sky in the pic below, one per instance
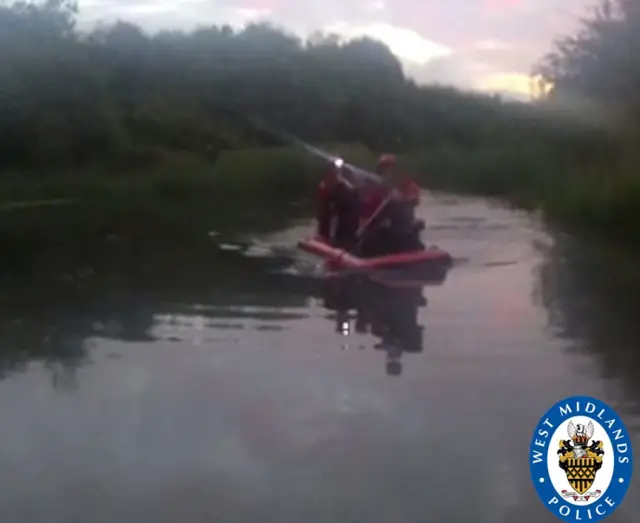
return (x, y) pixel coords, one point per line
(480, 44)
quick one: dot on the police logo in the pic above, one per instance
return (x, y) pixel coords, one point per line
(581, 459)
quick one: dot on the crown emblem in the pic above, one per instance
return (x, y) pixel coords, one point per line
(580, 434)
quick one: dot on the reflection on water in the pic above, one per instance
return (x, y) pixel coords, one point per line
(147, 382)
(389, 313)
(591, 292)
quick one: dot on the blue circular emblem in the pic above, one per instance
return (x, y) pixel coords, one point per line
(581, 459)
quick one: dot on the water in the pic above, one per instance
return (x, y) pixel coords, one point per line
(213, 384)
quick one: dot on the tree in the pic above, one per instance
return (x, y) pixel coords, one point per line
(598, 68)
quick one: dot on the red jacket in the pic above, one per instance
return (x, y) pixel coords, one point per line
(374, 196)
(326, 188)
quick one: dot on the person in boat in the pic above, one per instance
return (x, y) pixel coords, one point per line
(338, 207)
(388, 211)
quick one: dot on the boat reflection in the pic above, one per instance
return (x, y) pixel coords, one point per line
(390, 313)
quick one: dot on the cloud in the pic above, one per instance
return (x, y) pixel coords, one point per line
(252, 14)
(496, 5)
(147, 9)
(452, 69)
(492, 45)
(480, 67)
(470, 43)
(516, 83)
(404, 43)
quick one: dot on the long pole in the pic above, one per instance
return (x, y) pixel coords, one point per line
(373, 217)
(358, 171)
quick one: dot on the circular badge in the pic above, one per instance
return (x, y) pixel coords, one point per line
(581, 459)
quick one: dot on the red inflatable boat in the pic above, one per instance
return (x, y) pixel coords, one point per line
(432, 257)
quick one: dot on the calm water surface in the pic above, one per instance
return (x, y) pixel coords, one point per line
(225, 383)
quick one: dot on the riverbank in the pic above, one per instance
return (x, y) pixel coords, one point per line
(599, 198)
(186, 196)
(172, 200)
(176, 205)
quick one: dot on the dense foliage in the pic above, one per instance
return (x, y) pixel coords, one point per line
(598, 67)
(75, 97)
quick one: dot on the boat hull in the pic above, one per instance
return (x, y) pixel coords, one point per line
(432, 262)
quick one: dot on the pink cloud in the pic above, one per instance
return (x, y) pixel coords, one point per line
(271, 5)
(497, 5)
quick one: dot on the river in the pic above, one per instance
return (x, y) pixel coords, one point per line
(167, 384)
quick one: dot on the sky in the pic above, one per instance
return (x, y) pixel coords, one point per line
(488, 45)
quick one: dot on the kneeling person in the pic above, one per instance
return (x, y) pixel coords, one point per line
(394, 229)
(338, 208)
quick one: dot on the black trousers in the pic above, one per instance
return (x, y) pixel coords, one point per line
(394, 231)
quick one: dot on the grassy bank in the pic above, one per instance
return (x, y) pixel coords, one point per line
(175, 201)
(186, 196)
(598, 197)
(279, 173)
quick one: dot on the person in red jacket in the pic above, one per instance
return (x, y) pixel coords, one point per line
(403, 188)
(337, 207)
(388, 209)
(397, 186)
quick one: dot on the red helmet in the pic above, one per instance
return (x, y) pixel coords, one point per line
(387, 160)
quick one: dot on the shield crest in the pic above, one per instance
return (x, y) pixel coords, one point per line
(579, 459)
(581, 473)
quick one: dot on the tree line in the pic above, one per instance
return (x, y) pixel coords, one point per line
(70, 98)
